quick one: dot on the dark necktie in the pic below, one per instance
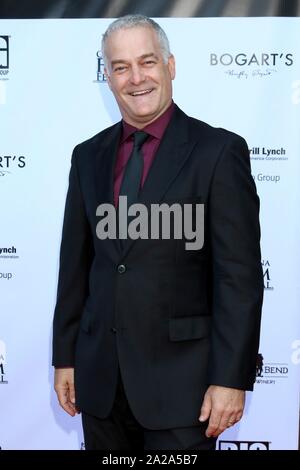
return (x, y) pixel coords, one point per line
(134, 169)
(133, 173)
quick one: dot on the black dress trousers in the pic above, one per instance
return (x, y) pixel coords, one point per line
(121, 431)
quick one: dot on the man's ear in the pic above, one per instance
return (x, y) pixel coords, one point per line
(107, 77)
(171, 66)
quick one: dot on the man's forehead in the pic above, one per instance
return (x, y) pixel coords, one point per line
(118, 49)
(132, 37)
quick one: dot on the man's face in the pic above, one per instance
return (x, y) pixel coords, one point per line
(137, 75)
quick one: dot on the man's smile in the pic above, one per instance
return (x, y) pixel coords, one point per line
(141, 92)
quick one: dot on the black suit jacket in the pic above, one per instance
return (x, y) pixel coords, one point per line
(176, 320)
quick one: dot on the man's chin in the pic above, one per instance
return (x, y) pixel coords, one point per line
(145, 114)
(145, 111)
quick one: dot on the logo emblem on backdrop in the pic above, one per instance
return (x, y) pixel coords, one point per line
(255, 65)
(259, 365)
(244, 445)
(268, 372)
(3, 379)
(4, 56)
(100, 69)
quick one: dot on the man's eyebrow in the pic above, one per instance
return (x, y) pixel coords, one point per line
(151, 54)
(144, 56)
(118, 61)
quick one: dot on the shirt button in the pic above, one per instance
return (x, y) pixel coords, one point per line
(114, 330)
(121, 268)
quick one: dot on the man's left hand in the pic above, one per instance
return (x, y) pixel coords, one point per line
(223, 406)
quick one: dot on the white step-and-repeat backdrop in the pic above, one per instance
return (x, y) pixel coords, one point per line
(242, 74)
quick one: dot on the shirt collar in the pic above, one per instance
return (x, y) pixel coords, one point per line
(155, 129)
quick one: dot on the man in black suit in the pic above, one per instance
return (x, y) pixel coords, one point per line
(160, 341)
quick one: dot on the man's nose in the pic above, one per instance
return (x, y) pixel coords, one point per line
(137, 75)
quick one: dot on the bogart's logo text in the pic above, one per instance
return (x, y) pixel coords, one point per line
(10, 162)
(256, 65)
(259, 60)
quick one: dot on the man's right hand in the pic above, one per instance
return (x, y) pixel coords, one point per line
(64, 387)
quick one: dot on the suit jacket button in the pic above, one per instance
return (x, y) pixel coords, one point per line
(114, 330)
(121, 268)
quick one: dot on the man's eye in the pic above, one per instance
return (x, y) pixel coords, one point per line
(147, 62)
(120, 69)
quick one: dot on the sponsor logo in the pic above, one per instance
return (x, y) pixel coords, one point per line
(262, 59)
(266, 178)
(268, 154)
(244, 445)
(4, 67)
(8, 252)
(267, 274)
(4, 57)
(6, 276)
(101, 78)
(268, 372)
(256, 65)
(8, 163)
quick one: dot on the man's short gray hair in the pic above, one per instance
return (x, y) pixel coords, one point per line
(132, 21)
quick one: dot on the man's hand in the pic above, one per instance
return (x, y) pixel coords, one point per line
(64, 387)
(223, 406)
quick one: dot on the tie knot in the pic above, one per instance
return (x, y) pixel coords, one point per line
(139, 138)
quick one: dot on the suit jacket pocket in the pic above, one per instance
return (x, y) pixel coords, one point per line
(189, 327)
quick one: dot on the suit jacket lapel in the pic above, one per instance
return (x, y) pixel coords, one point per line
(105, 164)
(104, 174)
(171, 155)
